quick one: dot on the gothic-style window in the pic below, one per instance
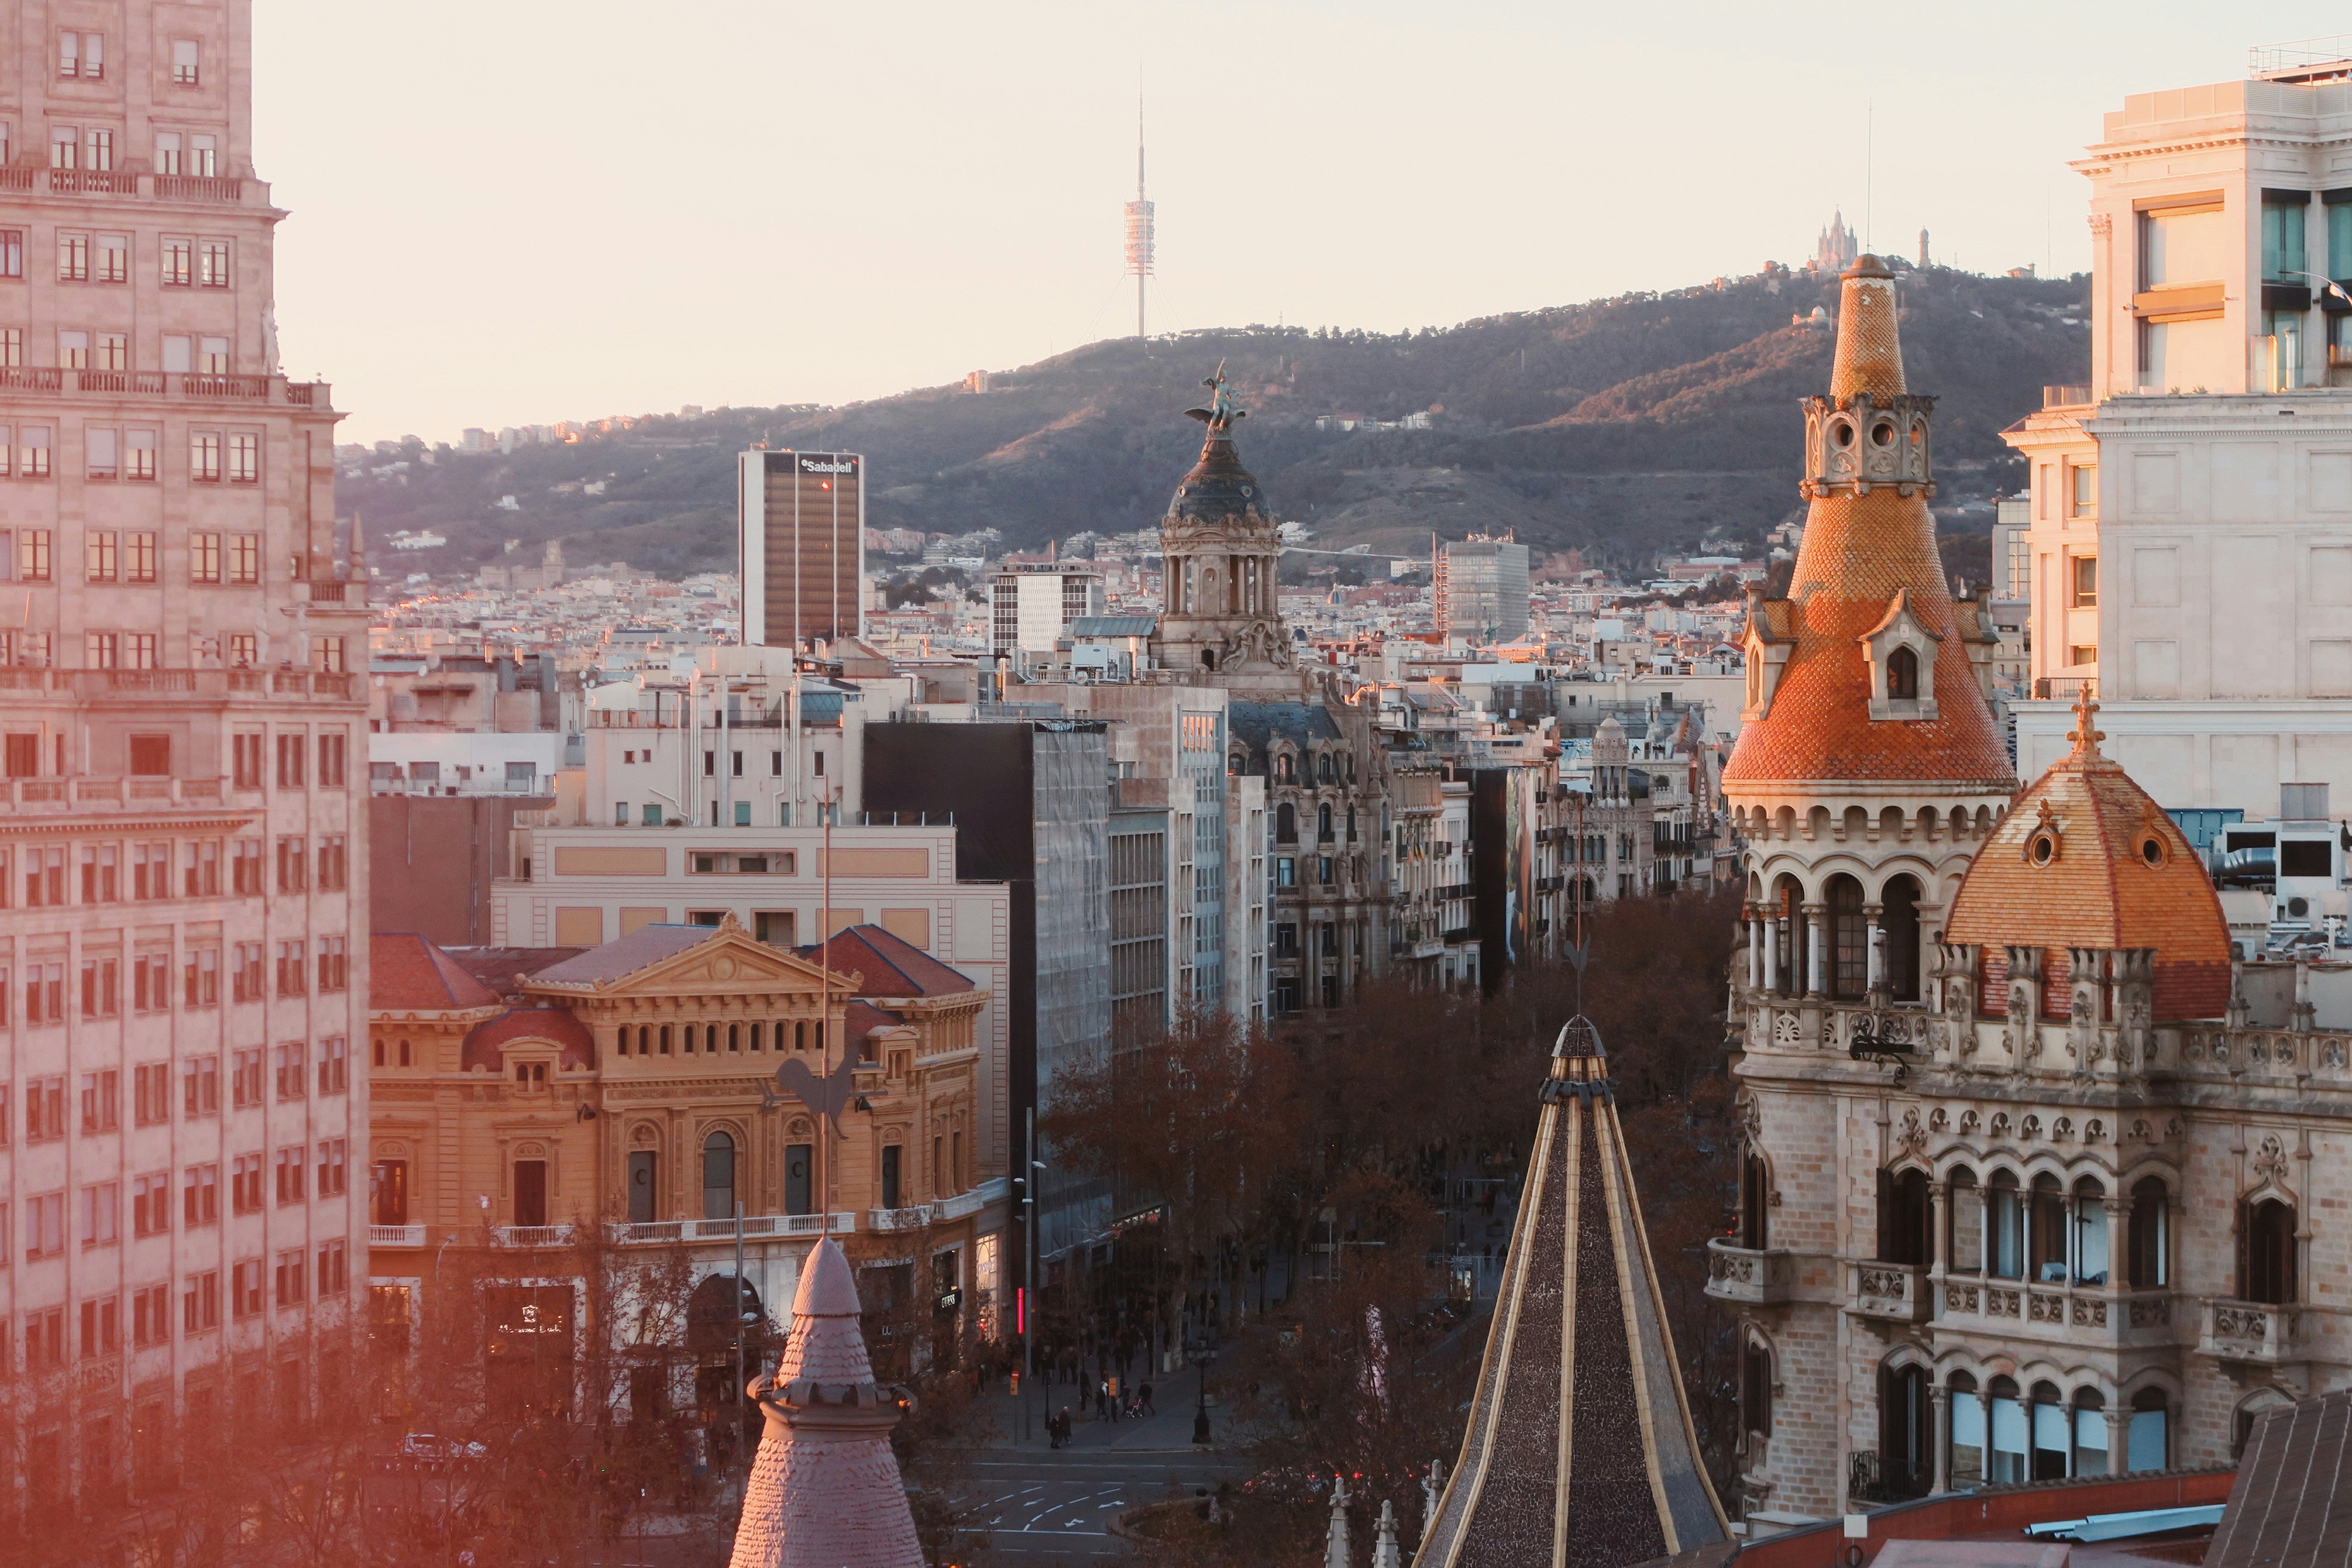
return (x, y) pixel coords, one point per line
(2151, 1217)
(2004, 1228)
(1323, 823)
(1964, 1206)
(2048, 1435)
(1756, 1389)
(1904, 1220)
(1906, 1438)
(2089, 1241)
(2005, 1461)
(1849, 939)
(2090, 1433)
(1755, 1203)
(2265, 1252)
(718, 1176)
(2147, 1438)
(1902, 673)
(1898, 923)
(2048, 1236)
(1967, 1438)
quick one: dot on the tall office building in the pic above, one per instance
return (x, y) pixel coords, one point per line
(802, 540)
(185, 850)
(1481, 589)
(1033, 607)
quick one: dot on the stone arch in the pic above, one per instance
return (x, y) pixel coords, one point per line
(2242, 1417)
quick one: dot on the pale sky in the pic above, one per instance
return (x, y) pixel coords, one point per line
(508, 213)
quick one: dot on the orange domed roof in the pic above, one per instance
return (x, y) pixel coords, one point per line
(2085, 857)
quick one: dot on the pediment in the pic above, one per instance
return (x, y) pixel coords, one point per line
(729, 961)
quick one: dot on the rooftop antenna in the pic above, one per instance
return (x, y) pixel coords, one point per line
(1139, 225)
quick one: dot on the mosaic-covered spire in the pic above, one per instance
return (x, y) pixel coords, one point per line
(825, 1492)
(1580, 1451)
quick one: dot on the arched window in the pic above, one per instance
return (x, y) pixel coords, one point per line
(1902, 673)
(644, 1186)
(1282, 768)
(2089, 1242)
(1286, 821)
(1208, 659)
(1794, 936)
(1898, 922)
(1351, 825)
(1849, 939)
(1964, 1209)
(1905, 1225)
(2004, 1228)
(1323, 767)
(2147, 1239)
(1967, 1415)
(2090, 1433)
(2266, 1252)
(2006, 1448)
(1907, 1435)
(1755, 1203)
(2048, 1432)
(2049, 1227)
(1323, 822)
(718, 1176)
(2148, 1440)
(1755, 1389)
(403, 1053)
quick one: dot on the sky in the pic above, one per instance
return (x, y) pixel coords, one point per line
(499, 220)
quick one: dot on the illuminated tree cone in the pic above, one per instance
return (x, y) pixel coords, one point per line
(1580, 1451)
(825, 1492)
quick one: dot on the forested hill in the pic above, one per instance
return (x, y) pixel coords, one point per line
(1622, 426)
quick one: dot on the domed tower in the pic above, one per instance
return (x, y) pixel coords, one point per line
(1222, 551)
(1869, 766)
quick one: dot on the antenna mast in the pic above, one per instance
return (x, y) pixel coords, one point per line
(1139, 225)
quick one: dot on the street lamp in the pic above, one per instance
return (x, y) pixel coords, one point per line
(1201, 1413)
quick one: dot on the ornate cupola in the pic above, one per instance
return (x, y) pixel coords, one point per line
(1222, 551)
(1869, 766)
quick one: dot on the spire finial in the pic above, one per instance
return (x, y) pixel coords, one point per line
(2086, 739)
(1338, 1549)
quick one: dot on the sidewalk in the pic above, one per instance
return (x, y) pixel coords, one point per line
(1174, 1396)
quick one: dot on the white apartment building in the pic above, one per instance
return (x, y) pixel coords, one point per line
(183, 850)
(2190, 541)
(1031, 608)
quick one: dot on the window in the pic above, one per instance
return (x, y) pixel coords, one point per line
(150, 982)
(243, 459)
(1902, 673)
(334, 964)
(333, 864)
(290, 761)
(244, 649)
(199, 1086)
(334, 1066)
(139, 464)
(245, 1288)
(103, 651)
(200, 1303)
(44, 995)
(44, 1225)
(32, 553)
(168, 160)
(244, 558)
(293, 1073)
(101, 1100)
(2082, 653)
(178, 354)
(2266, 1253)
(2284, 213)
(245, 1071)
(73, 267)
(205, 456)
(245, 865)
(333, 750)
(212, 267)
(98, 150)
(138, 566)
(293, 866)
(1285, 871)
(212, 356)
(201, 979)
(204, 156)
(333, 1168)
(101, 1213)
(184, 72)
(247, 977)
(12, 265)
(718, 1176)
(100, 989)
(112, 351)
(99, 555)
(101, 1328)
(2086, 581)
(32, 463)
(114, 267)
(290, 1276)
(92, 52)
(151, 1315)
(292, 1179)
(204, 557)
(2004, 1228)
(150, 1205)
(290, 977)
(199, 1196)
(334, 1269)
(65, 147)
(150, 1093)
(179, 255)
(1849, 939)
(73, 351)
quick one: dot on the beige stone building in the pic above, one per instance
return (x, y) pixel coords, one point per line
(630, 1097)
(184, 828)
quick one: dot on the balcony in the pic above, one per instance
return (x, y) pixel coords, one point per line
(396, 1236)
(649, 1233)
(1757, 1278)
(971, 1201)
(140, 794)
(167, 386)
(913, 1218)
(204, 684)
(2253, 1332)
(2085, 1316)
(1893, 1292)
(530, 1234)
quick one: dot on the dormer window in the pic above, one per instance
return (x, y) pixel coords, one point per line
(1901, 652)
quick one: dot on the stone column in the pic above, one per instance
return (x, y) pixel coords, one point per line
(1755, 949)
(1939, 1229)
(1939, 1400)
(2118, 1437)
(2118, 1239)
(1771, 952)
(1816, 950)
(1875, 973)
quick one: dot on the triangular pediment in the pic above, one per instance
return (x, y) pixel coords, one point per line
(729, 959)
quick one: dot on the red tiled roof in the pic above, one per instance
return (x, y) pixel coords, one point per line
(407, 973)
(504, 969)
(881, 964)
(860, 1019)
(486, 1046)
(1860, 551)
(2101, 886)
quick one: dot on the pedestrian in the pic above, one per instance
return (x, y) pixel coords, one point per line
(1146, 1392)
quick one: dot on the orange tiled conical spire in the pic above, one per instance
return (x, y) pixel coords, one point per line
(1863, 672)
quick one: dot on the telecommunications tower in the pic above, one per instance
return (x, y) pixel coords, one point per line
(1138, 226)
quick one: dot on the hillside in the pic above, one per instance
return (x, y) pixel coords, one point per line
(1622, 428)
